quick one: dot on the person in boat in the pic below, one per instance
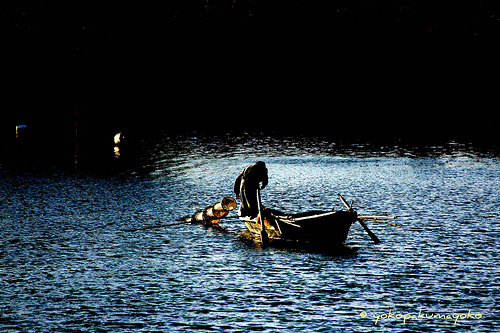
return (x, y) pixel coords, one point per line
(245, 187)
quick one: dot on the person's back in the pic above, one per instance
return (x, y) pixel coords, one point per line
(246, 185)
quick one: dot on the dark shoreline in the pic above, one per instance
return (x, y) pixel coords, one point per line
(140, 147)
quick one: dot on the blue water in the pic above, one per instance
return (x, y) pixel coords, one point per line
(68, 263)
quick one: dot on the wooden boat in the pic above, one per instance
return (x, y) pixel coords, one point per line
(318, 227)
(326, 229)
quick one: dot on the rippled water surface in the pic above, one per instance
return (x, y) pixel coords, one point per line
(68, 263)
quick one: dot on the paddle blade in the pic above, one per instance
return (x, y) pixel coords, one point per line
(371, 234)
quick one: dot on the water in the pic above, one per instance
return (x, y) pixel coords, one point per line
(68, 264)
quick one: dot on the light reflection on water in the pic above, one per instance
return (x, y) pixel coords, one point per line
(67, 262)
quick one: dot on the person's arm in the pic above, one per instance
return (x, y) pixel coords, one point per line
(237, 184)
(265, 179)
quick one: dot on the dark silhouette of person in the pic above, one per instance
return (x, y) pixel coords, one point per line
(245, 187)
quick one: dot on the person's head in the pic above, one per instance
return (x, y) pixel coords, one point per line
(260, 164)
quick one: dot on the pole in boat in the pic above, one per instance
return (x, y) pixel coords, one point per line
(370, 233)
(263, 234)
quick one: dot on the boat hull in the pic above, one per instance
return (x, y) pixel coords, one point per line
(326, 228)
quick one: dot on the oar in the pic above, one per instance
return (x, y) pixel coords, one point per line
(263, 234)
(371, 234)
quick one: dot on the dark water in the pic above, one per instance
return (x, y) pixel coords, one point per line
(67, 262)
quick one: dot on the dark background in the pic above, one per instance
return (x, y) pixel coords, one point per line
(418, 70)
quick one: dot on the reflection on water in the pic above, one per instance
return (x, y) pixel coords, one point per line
(68, 263)
(116, 150)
